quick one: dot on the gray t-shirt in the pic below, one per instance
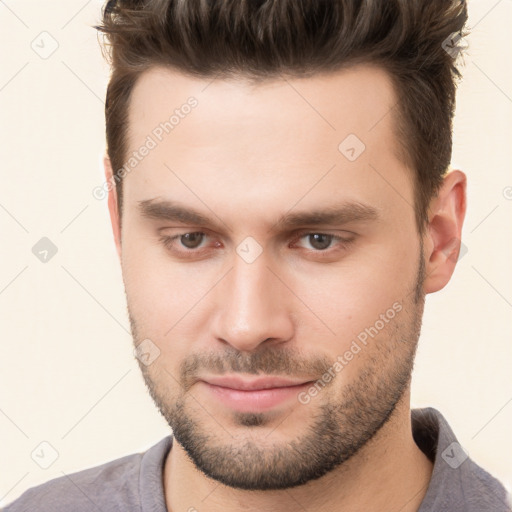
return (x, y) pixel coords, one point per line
(134, 483)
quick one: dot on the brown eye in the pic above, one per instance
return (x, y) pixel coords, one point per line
(320, 241)
(191, 240)
(323, 244)
(185, 245)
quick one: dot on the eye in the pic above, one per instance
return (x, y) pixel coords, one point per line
(322, 242)
(319, 241)
(190, 241)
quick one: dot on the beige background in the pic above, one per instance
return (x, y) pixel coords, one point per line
(68, 376)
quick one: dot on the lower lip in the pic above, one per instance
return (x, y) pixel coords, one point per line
(255, 400)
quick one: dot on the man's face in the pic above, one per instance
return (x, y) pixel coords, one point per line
(249, 295)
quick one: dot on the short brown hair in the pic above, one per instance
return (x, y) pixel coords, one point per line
(414, 40)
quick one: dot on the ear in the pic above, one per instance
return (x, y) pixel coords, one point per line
(113, 204)
(442, 239)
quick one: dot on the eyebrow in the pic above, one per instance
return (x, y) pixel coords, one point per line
(345, 213)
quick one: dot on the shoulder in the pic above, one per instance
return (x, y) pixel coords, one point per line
(468, 487)
(114, 483)
(485, 490)
(457, 482)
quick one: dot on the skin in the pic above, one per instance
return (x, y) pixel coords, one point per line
(246, 155)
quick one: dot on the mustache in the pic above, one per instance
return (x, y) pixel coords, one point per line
(267, 361)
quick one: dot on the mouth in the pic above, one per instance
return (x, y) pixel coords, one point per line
(253, 395)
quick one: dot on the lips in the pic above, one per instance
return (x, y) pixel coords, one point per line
(259, 383)
(253, 395)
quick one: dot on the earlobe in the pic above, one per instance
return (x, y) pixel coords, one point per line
(113, 204)
(442, 243)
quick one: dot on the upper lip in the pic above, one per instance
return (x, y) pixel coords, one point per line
(235, 382)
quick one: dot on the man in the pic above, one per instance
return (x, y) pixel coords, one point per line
(280, 202)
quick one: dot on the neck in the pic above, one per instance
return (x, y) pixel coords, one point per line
(389, 473)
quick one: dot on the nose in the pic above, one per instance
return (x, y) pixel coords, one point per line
(253, 306)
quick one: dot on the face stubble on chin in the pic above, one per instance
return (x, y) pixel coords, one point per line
(340, 426)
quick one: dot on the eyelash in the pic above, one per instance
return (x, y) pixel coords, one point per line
(167, 241)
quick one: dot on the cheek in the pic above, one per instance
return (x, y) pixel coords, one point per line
(351, 297)
(165, 297)
(362, 310)
(163, 312)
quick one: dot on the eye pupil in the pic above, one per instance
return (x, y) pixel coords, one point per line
(317, 237)
(191, 237)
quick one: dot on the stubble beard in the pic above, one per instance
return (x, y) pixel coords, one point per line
(341, 422)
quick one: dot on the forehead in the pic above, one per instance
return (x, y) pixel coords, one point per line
(246, 141)
(357, 98)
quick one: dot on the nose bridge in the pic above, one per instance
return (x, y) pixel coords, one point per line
(252, 307)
